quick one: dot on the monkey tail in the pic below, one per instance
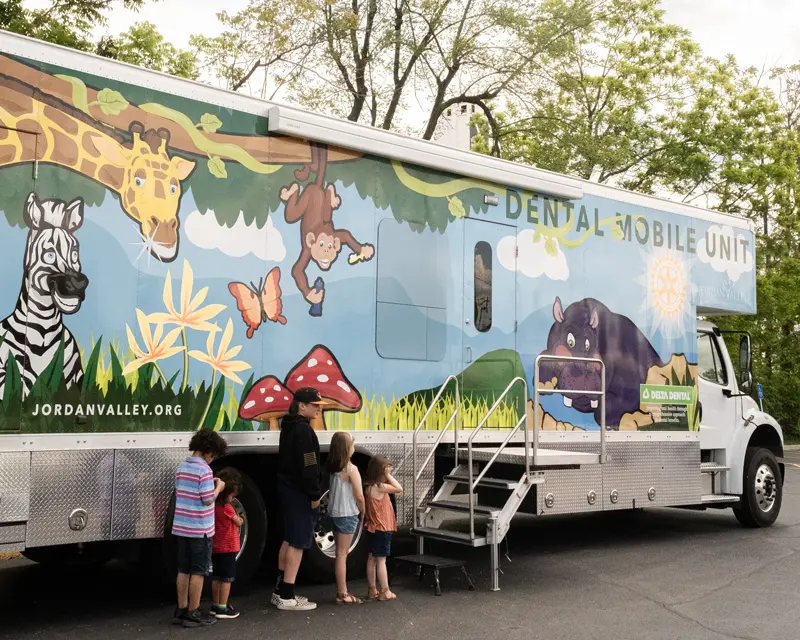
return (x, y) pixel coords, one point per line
(316, 166)
(322, 165)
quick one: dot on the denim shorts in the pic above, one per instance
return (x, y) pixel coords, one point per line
(380, 544)
(344, 524)
(194, 555)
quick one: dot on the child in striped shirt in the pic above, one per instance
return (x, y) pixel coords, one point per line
(196, 489)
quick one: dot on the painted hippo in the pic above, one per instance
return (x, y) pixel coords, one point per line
(589, 329)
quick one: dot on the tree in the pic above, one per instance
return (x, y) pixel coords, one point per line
(598, 109)
(361, 59)
(69, 23)
(143, 45)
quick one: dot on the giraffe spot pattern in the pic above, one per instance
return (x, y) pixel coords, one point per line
(65, 150)
(88, 144)
(67, 124)
(15, 103)
(112, 176)
(88, 167)
(7, 153)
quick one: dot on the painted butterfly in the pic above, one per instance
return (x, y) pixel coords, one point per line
(259, 303)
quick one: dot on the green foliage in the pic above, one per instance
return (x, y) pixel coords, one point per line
(144, 46)
(52, 182)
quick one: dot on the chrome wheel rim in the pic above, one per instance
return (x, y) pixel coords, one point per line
(238, 507)
(766, 488)
(323, 534)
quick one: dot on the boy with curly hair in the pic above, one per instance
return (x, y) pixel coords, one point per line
(196, 490)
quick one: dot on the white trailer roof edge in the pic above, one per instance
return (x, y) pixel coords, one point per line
(296, 122)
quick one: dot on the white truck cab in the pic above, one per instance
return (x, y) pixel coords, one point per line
(740, 444)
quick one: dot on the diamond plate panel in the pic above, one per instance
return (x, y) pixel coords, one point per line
(144, 480)
(401, 457)
(571, 487)
(12, 547)
(633, 468)
(680, 469)
(62, 481)
(12, 533)
(15, 486)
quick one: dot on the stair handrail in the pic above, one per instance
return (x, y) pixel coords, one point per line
(453, 417)
(601, 394)
(473, 483)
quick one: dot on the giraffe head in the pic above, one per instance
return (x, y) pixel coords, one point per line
(151, 186)
(52, 254)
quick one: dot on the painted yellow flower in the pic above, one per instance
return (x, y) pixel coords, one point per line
(222, 361)
(189, 313)
(155, 348)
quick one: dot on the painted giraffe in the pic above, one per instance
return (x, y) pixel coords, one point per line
(140, 171)
(52, 286)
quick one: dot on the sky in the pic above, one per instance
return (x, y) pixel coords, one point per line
(758, 32)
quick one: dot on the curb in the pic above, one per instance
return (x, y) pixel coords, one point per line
(792, 447)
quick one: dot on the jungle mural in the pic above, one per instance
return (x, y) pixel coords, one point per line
(151, 234)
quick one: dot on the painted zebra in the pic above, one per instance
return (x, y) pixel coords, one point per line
(52, 285)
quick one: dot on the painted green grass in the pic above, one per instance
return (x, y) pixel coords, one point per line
(104, 384)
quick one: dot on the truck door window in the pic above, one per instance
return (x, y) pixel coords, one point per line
(709, 360)
(483, 286)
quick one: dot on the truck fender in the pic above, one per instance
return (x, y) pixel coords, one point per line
(760, 430)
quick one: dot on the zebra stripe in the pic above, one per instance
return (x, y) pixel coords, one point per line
(33, 333)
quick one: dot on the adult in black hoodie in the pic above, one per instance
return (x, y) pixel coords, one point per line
(299, 488)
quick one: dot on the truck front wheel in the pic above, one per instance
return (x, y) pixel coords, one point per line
(763, 489)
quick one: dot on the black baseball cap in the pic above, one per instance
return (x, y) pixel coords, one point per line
(309, 395)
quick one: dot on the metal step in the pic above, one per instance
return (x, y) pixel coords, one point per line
(462, 507)
(445, 535)
(719, 498)
(712, 467)
(489, 483)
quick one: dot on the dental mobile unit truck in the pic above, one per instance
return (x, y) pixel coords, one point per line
(178, 257)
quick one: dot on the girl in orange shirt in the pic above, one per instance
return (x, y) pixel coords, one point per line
(380, 521)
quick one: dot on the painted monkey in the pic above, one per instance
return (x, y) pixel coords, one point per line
(319, 240)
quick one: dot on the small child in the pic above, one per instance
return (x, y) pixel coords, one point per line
(380, 521)
(345, 507)
(226, 544)
(196, 489)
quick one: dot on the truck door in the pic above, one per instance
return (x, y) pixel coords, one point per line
(489, 356)
(714, 378)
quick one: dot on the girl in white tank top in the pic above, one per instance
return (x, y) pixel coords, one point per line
(345, 507)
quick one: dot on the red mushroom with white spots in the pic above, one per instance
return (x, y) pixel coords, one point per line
(266, 401)
(320, 370)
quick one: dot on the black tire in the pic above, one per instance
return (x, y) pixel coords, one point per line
(254, 538)
(253, 541)
(319, 562)
(763, 489)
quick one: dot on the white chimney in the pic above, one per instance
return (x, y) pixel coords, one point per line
(455, 130)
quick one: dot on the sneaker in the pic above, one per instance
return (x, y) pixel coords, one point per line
(295, 604)
(195, 619)
(177, 617)
(228, 613)
(276, 598)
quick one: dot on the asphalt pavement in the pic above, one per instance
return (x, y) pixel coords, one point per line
(654, 574)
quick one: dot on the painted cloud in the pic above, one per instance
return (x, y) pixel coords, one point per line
(728, 265)
(237, 241)
(535, 259)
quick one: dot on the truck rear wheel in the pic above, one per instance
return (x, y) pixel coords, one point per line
(253, 532)
(319, 562)
(763, 489)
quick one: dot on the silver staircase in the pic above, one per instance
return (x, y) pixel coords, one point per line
(471, 469)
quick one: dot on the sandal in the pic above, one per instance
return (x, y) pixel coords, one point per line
(347, 598)
(385, 594)
(372, 593)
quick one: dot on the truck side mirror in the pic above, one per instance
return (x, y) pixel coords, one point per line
(745, 362)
